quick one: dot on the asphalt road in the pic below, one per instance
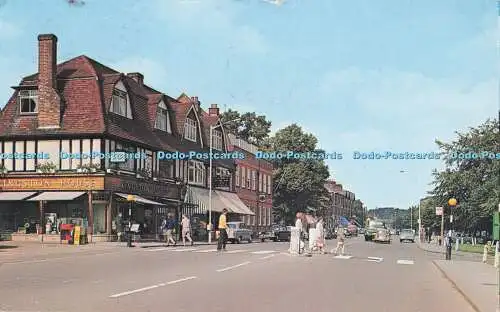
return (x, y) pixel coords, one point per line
(248, 277)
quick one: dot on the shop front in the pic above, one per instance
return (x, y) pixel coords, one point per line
(37, 208)
(145, 203)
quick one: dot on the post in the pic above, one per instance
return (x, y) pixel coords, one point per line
(411, 217)
(497, 247)
(129, 241)
(209, 225)
(90, 229)
(442, 228)
(420, 228)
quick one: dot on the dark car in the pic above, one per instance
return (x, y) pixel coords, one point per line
(331, 234)
(282, 234)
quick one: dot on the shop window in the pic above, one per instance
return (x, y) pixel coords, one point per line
(196, 172)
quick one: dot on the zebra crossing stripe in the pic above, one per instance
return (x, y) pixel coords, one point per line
(343, 257)
(263, 252)
(235, 251)
(408, 262)
(159, 249)
(181, 250)
(206, 250)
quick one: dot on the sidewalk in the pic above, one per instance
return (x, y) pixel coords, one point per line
(476, 281)
(470, 256)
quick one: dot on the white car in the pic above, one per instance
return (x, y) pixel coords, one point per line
(238, 232)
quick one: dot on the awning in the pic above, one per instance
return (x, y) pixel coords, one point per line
(4, 196)
(141, 200)
(234, 203)
(201, 197)
(57, 196)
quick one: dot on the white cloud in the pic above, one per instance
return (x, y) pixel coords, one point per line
(154, 73)
(217, 21)
(8, 30)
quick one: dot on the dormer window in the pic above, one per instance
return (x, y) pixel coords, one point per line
(119, 104)
(28, 101)
(217, 141)
(162, 120)
(190, 129)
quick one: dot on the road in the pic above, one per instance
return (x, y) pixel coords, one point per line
(248, 277)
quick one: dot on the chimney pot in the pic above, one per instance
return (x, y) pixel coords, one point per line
(138, 77)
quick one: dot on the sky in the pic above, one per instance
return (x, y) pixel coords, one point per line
(361, 75)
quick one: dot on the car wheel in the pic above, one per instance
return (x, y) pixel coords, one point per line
(401, 241)
(238, 240)
(262, 240)
(275, 240)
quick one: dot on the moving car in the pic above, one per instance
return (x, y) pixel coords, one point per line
(372, 229)
(276, 234)
(238, 232)
(382, 236)
(407, 235)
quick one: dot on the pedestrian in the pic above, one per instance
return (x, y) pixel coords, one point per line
(340, 242)
(300, 228)
(186, 230)
(221, 243)
(170, 227)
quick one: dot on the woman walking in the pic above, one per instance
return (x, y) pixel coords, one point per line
(186, 230)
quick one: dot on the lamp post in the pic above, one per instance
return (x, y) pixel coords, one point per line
(209, 225)
(130, 199)
(180, 186)
(452, 202)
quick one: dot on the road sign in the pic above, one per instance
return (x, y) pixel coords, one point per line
(439, 211)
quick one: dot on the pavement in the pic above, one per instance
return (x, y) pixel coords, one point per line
(247, 277)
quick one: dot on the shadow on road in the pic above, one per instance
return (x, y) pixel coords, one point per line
(6, 247)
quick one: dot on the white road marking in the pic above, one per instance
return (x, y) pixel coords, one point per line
(405, 262)
(234, 251)
(160, 249)
(375, 259)
(180, 250)
(126, 293)
(263, 252)
(266, 257)
(233, 267)
(29, 261)
(343, 257)
(207, 250)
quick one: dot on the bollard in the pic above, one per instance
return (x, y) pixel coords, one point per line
(448, 244)
(457, 244)
(129, 240)
(485, 253)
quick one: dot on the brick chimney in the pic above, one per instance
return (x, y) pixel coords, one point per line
(49, 101)
(138, 77)
(213, 110)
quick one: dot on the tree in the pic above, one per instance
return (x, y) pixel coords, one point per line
(248, 126)
(474, 182)
(298, 183)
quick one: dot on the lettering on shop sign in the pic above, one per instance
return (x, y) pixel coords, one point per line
(56, 183)
(142, 188)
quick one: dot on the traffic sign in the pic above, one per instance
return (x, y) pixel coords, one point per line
(439, 211)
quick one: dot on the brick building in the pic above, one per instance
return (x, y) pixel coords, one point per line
(254, 184)
(67, 112)
(344, 203)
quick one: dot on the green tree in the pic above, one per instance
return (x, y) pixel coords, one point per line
(249, 126)
(473, 182)
(298, 183)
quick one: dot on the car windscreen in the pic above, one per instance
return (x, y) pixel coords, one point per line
(407, 233)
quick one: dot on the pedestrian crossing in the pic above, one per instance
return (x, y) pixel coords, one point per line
(206, 251)
(373, 259)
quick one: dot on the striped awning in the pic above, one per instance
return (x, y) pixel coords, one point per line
(234, 203)
(10, 196)
(54, 196)
(140, 200)
(201, 197)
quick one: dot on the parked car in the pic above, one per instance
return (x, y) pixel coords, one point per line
(382, 236)
(271, 234)
(407, 236)
(330, 234)
(238, 232)
(283, 234)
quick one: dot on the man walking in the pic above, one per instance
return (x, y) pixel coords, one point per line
(340, 242)
(170, 227)
(186, 230)
(221, 244)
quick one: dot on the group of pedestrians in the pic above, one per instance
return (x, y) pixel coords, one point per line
(168, 228)
(320, 241)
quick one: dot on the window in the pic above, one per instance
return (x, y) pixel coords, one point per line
(261, 179)
(28, 101)
(196, 172)
(119, 103)
(269, 185)
(166, 169)
(260, 215)
(264, 183)
(190, 128)
(254, 180)
(148, 165)
(162, 120)
(243, 177)
(129, 163)
(249, 178)
(217, 142)
(238, 175)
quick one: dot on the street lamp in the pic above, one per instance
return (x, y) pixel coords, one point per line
(130, 199)
(452, 202)
(209, 225)
(180, 186)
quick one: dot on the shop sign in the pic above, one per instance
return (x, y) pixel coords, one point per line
(52, 183)
(156, 189)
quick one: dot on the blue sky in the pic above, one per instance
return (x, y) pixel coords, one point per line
(360, 75)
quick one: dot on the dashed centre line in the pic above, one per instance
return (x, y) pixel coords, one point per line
(406, 262)
(233, 267)
(126, 293)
